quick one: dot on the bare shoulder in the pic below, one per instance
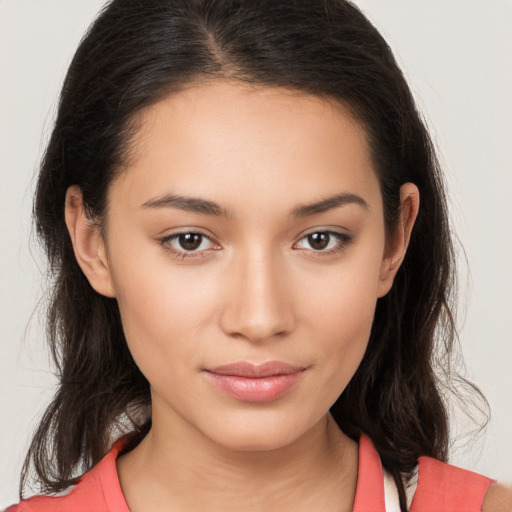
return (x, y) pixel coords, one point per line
(498, 499)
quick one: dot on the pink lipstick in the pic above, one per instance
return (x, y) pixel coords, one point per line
(255, 383)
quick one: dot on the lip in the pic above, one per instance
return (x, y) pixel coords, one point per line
(255, 383)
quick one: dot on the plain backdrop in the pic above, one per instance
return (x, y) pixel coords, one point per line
(457, 56)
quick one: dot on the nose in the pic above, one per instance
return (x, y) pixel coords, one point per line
(258, 304)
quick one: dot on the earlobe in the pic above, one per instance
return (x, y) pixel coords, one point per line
(396, 246)
(88, 243)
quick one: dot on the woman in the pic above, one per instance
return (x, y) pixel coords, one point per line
(246, 282)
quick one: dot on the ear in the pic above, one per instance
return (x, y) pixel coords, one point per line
(88, 243)
(396, 245)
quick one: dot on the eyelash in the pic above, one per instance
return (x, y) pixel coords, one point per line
(182, 254)
(343, 240)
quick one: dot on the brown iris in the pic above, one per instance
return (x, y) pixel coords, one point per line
(190, 241)
(319, 241)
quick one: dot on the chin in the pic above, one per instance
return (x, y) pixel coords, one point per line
(256, 445)
(263, 434)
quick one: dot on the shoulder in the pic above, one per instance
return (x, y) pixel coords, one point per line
(79, 498)
(497, 499)
(97, 490)
(53, 503)
(448, 488)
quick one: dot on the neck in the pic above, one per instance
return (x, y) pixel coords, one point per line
(169, 471)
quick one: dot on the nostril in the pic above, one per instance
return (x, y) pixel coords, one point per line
(243, 321)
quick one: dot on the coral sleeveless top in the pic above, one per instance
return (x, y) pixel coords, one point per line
(440, 488)
(437, 487)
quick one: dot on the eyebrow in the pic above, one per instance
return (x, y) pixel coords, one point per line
(188, 204)
(203, 206)
(328, 204)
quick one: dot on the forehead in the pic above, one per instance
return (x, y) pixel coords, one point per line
(235, 141)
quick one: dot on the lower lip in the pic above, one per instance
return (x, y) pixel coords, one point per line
(250, 389)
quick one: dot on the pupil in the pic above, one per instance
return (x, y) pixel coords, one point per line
(318, 240)
(190, 241)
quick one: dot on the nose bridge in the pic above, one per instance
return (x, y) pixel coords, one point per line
(258, 303)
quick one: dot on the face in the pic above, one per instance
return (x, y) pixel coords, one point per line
(245, 246)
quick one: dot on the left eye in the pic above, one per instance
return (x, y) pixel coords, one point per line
(322, 241)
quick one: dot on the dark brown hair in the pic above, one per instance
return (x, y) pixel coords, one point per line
(136, 53)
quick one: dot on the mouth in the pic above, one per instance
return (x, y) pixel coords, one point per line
(255, 383)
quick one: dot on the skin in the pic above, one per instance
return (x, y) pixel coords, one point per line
(498, 499)
(256, 290)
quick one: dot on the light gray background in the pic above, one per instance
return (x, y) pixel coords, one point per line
(457, 56)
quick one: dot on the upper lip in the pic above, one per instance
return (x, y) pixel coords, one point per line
(246, 369)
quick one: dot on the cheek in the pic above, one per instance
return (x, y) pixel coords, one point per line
(345, 325)
(343, 298)
(162, 308)
(341, 310)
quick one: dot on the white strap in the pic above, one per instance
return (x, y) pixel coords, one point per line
(391, 500)
(410, 487)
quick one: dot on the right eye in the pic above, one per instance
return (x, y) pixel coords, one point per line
(188, 244)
